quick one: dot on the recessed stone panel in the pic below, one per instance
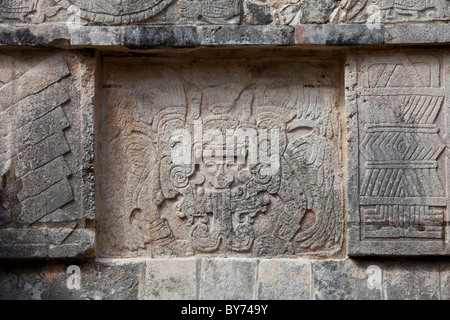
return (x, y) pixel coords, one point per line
(232, 156)
(46, 153)
(398, 190)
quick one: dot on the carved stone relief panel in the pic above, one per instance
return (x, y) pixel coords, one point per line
(111, 12)
(398, 130)
(390, 11)
(46, 154)
(31, 11)
(220, 156)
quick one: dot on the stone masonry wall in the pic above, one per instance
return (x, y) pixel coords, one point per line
(224, 149)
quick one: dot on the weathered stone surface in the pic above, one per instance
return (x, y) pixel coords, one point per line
(390, 11)
(257, 13)
(235, 201)
(221, 12)
(54, 281)
(415, 34)
(188, 36)
(288, 12)
(80, 12)
(227, 279)
(171, 279)
(46, 242)
(284, 279)
(398, 196)
(173, 36)
(43, 178)
(413, 280)
(444, 273)
(246, 35)
(343, 35)
(347, 280)
(44, 138)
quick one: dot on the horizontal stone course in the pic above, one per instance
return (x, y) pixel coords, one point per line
(233, 35)
(224, 279)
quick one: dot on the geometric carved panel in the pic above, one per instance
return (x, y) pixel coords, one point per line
(46, 155)
(262, 173)
(399, 148)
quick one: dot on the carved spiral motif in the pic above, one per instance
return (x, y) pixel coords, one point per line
(117, 12)
(179, 177)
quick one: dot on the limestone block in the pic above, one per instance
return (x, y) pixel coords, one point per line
(347, 280)
(284, 279)
(238, 157)
(246, 35)
(227, 279)
(171, 279)
(397, 191)
(411, 280)
(46, 153)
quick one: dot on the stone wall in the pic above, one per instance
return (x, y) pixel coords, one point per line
(224, 149)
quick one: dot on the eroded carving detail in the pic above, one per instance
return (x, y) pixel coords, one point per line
(34, 11)
(357, 11)
(211, 11)
(221, 200)
(115, 12)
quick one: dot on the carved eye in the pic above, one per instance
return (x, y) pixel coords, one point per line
(211, 167)
(231, 167)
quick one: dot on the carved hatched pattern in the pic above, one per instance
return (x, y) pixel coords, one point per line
(401, 193)
(217, 204)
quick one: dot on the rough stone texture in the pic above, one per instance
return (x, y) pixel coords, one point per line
(167, 279)
(246, 35)
(332, 35)
(347, 280)
(220, 203)
(413, 281)
(284, 279)
(283, 12)
(227, 279)
(170, 36)
(257, 13)
(46, 194)
(127, 12)
(216, 229)
(49, 281)
(445, 280)
(390, 11)
(288, 12)
(398, 196)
